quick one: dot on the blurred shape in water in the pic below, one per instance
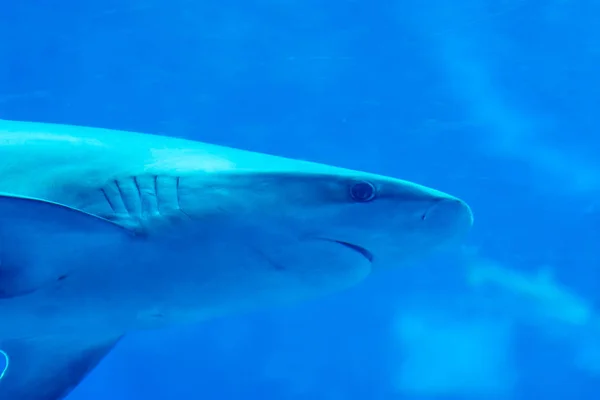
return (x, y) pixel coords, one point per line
(539, 300)
(460, 36)
(540, 296)
(444, 355)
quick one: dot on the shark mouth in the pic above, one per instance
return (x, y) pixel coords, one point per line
(360, 250)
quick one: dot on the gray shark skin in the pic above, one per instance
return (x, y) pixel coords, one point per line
(105, 232)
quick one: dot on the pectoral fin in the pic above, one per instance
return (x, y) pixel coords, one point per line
(48, 368)
(35, 236)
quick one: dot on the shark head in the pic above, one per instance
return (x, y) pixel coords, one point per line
(220, 227)
(316, 232)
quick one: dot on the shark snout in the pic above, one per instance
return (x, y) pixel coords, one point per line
(449, 216)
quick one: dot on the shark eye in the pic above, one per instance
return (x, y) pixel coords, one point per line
(362, 191)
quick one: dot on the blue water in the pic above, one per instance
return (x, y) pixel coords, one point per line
(493, 101)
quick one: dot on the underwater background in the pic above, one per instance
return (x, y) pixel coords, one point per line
(495, 101)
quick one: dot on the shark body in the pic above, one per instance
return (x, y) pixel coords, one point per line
(105, 232)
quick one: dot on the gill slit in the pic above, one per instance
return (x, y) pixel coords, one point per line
(177, 197)
(112, 207)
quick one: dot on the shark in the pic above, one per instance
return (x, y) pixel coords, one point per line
(106, 232)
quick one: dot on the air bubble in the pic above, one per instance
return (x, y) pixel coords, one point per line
(3, 363)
